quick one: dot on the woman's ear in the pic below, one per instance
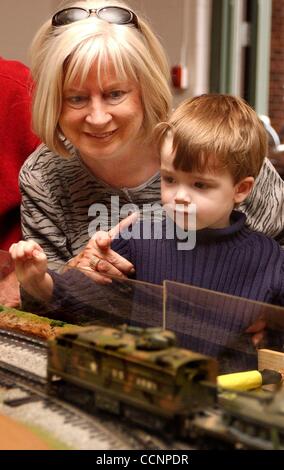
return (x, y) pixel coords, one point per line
(243, 188)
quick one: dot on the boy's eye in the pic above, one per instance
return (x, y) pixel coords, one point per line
(168, 179)
(200, 185)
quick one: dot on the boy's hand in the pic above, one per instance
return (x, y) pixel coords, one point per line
(31, 268)
(30, 261)
(98, 257)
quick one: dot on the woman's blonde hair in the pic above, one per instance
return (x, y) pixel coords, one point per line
(216, 131)
(61, 54)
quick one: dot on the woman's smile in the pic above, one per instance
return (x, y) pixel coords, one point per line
(101, 135)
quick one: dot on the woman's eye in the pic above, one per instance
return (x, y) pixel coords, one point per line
(115, 95)
(77, 101)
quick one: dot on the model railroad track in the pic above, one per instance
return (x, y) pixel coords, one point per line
(32, 381)
(25, 368)
(22, 339)
(32, 387)
(23, 355)
(102, 428)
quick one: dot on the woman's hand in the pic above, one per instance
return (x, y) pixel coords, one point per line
(31, 269)
(100, 260)
(258, 331)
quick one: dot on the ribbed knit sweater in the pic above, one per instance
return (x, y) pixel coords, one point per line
(233, 260)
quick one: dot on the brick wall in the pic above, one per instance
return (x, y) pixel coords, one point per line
(276, 98)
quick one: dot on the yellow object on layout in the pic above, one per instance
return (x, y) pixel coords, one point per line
(240, 380)
(248, 380)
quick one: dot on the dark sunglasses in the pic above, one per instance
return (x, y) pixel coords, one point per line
(116, 15)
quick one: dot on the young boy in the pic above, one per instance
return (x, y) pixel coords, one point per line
(211, 151)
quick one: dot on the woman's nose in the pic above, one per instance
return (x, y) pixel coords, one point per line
(98, 114)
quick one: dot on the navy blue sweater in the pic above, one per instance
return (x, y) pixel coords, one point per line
(233, 260)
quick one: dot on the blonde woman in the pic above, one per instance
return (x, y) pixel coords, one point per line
(101, 86)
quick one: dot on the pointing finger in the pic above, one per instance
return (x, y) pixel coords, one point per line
(123, 225)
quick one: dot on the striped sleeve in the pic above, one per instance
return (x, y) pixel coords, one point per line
(42, 214)
(264, 207)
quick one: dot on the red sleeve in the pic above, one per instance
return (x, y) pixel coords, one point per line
(17, 142)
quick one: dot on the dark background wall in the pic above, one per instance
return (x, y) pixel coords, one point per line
(276, 97)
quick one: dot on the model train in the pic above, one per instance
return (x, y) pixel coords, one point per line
(132, 372)
(254, 420)
(142, 375)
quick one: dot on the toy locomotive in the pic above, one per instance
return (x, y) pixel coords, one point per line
(132, 372)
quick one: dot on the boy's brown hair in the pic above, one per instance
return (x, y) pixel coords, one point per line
(216, 131)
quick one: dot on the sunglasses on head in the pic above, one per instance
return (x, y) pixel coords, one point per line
(116, 15)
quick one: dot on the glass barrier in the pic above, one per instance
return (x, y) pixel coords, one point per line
(219, 325)
(78, 299)
(229, 328)
(9, 291)
(6, 265)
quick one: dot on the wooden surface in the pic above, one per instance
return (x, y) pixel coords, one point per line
(15, 436)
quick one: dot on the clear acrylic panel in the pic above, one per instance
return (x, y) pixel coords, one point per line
(6, 265)
(78, 299)
(217, 324)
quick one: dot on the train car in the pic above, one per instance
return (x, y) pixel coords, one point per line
(254, 420)
(137, 373)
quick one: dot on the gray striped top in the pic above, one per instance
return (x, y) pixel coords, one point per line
(61, 201)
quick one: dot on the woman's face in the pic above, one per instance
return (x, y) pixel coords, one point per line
(102, 122)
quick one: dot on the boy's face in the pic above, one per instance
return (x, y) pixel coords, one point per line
(214, 194)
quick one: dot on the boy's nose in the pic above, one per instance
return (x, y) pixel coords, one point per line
(182, 197)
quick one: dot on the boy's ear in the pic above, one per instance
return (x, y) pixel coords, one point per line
(243, 188)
